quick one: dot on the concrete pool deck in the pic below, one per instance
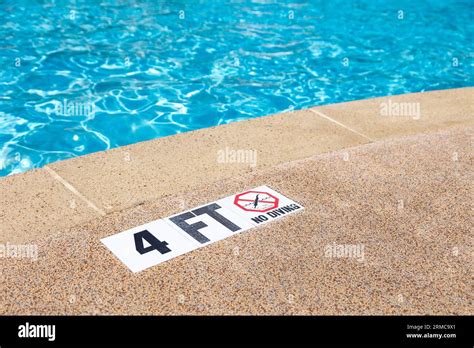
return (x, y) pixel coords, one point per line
(399, 186)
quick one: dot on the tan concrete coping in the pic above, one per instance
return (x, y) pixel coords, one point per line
(63, 194)
(405, 114)
(34, 204)
(123, 177)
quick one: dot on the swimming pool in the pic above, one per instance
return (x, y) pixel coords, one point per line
(77, 78)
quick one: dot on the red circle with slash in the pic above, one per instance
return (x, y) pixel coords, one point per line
(248, 201)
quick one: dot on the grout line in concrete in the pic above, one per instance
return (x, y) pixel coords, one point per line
(341, 124)
(74, 190)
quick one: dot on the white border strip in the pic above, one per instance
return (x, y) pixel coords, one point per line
(340, 124)
(74, 191)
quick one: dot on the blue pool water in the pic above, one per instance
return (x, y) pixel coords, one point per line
(76, 78)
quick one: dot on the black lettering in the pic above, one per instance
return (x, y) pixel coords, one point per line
(192, 230)
(211, 211)
(155, 243)
(259, 219)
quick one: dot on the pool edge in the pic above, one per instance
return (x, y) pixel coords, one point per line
(66, 193)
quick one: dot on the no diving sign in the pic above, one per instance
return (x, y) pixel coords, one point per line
(161, 240)
(260, 205)
(258, 201)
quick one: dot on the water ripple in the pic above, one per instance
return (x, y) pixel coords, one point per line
(78, 78)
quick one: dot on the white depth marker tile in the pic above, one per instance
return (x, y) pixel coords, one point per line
(161, 240)
(123, 245)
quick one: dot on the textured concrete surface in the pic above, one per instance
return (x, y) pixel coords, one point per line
(437, 110)
(126, 176)
(34, 204)
(407, 201)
